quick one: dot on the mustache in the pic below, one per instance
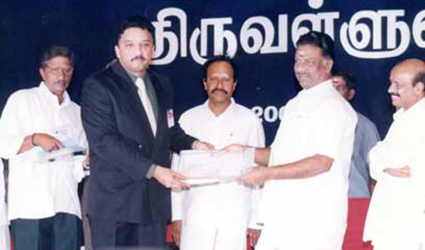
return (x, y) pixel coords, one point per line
(222, 90)
(61, 82)
(138, 58)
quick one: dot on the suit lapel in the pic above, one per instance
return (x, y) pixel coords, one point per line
(161, 102)
(132, 99)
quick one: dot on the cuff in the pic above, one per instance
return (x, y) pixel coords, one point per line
(151, 170)
(193, 144)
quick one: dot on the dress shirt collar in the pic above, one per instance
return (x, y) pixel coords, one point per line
(228, 109)
(134, 78)
(413, 111)
(316, 90)
(53, 98)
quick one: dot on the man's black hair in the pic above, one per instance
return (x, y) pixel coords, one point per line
(220, 58)
(319, 39)
(136, 22)
(349, 79)
(55, 51)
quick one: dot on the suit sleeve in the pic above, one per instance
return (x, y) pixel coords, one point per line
(179, 139)
(104, 138)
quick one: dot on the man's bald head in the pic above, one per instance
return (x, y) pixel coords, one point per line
(407, 83)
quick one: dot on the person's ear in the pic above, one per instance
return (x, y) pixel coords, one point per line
(329, 63)
(420, 88)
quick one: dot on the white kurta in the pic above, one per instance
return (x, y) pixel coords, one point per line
(396, 218)
(39, 190)
(310, 213)
(4, 223)
(218, 215)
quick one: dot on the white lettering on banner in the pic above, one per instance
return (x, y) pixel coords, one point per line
(315, 4)
(265, 46)
(360, 34)
(419, 28)
(173, 41)
(361, 37)
(220, 36)
(316, 24)
(268, 114)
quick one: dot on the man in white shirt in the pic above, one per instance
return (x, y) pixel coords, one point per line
(43, 202)
(361, 185)
(217, 216)
(396, 215)
(304, 203)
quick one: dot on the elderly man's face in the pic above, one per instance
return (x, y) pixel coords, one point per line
(403, 93)
(57, 74)
(311, 67)
(135, 50)
(220, 83)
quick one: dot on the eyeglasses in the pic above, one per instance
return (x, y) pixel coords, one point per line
(59, 70)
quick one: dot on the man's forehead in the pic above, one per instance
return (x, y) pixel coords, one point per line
(136, 33)
(308, 49)
(402, 73)
(59, 60)
(338, 80)
(220, 66)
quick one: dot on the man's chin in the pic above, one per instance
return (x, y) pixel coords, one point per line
(396, 103)
(219, 100)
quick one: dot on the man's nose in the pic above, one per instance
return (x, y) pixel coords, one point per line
(61, 73)
(392, 89)
(298, 68)
(220, 83)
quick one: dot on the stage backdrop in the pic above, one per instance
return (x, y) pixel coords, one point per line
(370, 37)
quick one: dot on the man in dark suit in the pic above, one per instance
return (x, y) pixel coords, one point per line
(127, 112)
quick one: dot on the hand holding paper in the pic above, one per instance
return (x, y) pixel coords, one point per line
(256, 176)
(211, 167)
(46, 142)
(69, 147)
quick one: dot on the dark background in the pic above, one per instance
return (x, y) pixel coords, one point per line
(88, 28)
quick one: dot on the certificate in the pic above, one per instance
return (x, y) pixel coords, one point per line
(202, 167)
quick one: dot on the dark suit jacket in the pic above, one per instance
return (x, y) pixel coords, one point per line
(123, 147)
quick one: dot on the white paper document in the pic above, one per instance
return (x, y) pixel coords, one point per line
(70, 147)
(202, 167)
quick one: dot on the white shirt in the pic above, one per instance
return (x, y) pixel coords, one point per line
(3, 208)
(396, 212)
(39, 190)
(310, 213)
(224, 205)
